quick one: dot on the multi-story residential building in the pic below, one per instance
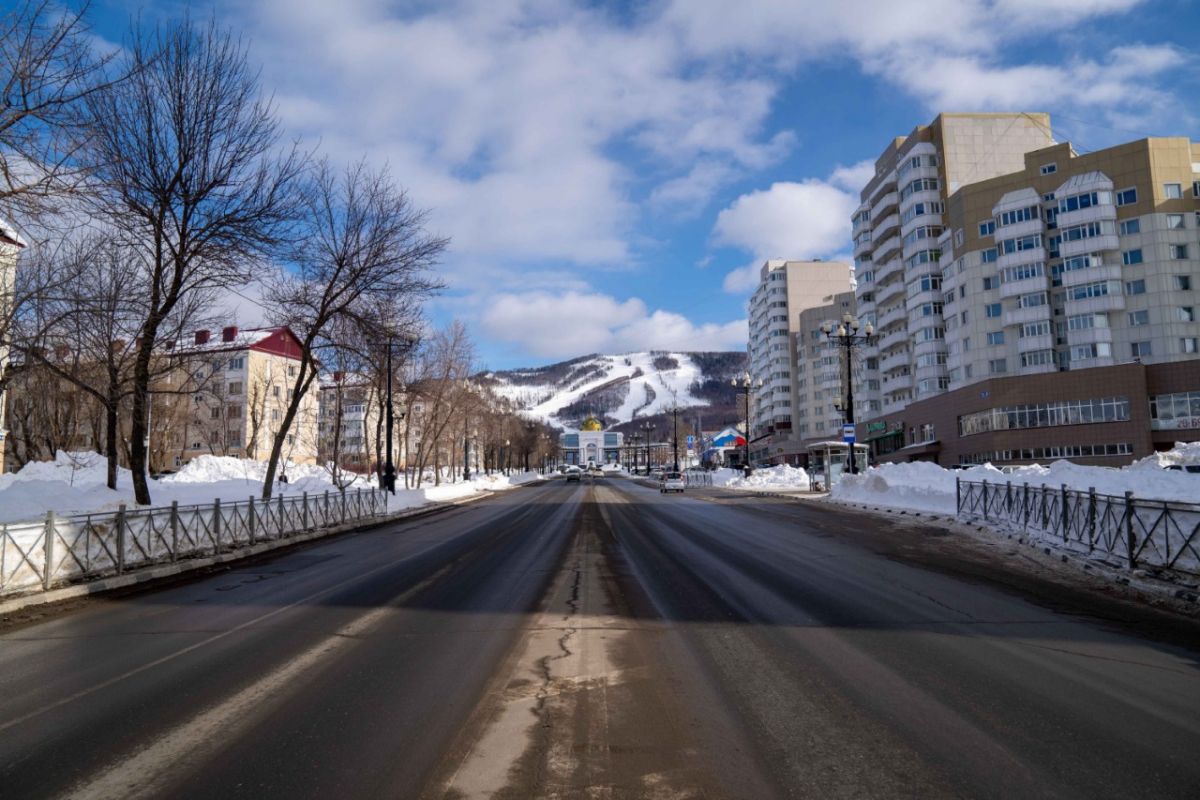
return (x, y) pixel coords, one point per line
(1063, 305)
(238, 388)
(785, 289)
(11, 245)
(820, 371)
(352, 427)
(896, 230)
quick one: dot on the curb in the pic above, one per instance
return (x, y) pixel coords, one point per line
(149, 574)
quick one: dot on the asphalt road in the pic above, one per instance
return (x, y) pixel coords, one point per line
(604, 640)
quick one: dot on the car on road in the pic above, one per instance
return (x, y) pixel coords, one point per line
(574, 474)
(672, 482)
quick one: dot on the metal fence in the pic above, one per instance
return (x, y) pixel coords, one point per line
(698, 477)
(42, 554)
(1138, 531)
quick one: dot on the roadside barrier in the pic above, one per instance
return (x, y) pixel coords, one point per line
(1138, 531)
(56, 550)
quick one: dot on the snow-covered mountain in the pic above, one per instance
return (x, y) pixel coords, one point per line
(620, 388)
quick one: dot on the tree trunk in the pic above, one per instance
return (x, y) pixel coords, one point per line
(110, 441)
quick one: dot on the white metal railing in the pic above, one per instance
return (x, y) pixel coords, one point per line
(38, 555)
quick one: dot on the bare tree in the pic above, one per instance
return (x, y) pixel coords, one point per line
(364, 244)
(48, 68)
(187, 165)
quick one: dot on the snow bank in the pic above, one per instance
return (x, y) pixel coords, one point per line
(75, 483)
(782, 476)
(922, 486)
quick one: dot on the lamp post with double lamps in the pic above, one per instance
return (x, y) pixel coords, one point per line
(745, 386)
(648, 427)
(635, 448)
(847, 337)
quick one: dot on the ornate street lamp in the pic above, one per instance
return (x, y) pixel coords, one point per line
(648, 427)
(744, 387)
(388, 479)
(847, 337)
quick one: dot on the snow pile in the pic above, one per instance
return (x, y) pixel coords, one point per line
(923, 486)
(75, 483)
(782, 476)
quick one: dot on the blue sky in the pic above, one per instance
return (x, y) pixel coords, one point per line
(612, 174)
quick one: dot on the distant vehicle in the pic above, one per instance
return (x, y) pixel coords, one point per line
(574, 474)
(672, 482)
(656, 473)
(1192, 468)
(595, 470)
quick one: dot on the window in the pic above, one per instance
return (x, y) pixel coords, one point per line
(1040, 328)
(995, 337)
(1021, 243)
(276, 415)
(1172, 191)
(989, 255)
(291, 439)
(1195, 188)
(958, 238)
(1131, 226)
(291, 370)
(1020, 215)
(998, 366)
(1178, 252)
(1186, 314)
(1098, 289)
(1037, 358)
(1188, 345)
(1135, 287)
(1127, 197)
(1130, 257)
(1033, 300)
(235, 387)
(1045, 415)
(236, 363)
(1022, 272)
(1085, 200)
(919, 185)
(1085, 352)
(1139, 349)
(990, 282)
(987, 228)
(1139, 317)
(1175, 221)
(214, 412)
(1183, 282)
(992, 310)
(274, 391)
(1087, 231)
(1081, 262)
(233, 412)
(1083, 322)
(1049, 169)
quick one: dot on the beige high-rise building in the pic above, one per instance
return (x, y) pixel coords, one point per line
(785, 289)
(820, 371)
(896, 230)
(11, 245)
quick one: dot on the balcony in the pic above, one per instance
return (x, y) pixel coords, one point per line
(892, 315)
(886, 248)
(863, 245)
(888, 341)
(1020, 257)
(1089, 336)
(888, 270)
(1091, 305)
(1026, 227)
(931, 371)
(929, 346)
(1039, 283)
(921, 298)
(886, 226)
(1102, 272)
(926, 196)
(887, 183)
(1027, 344)
(1092, 244)
(1098, 213)
(885, 204)
(1036, 369)
(1022, 315)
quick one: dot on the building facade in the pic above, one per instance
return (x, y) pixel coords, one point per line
(11, 246)
(785, 290)
(821, 371)
(237, 391)
(590, 445)
(1054, 315)
(351, 428)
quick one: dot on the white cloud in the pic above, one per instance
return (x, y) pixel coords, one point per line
(551, 325)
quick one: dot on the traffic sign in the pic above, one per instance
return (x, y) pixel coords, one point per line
(848, 434)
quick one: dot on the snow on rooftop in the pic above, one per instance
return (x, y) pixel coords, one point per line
(10, 233)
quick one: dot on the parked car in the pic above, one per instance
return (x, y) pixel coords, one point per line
(1192, 468)
(672, 482)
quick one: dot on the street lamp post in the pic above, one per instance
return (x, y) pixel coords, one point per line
(507, 456)
(388, 481)
(636, 438)
(744, 387)
(847, 337)
(466, 450)
(648, 427)
(675, 414)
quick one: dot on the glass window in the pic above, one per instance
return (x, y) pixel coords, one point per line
(995, 337)
(1172, 191)
(1130, 226)
(1183, 282)
(1178, 251)
(1188, 344)
(987, 228)
(1127, 197)
(1135, 287)
(1132, 257)
(1139, 317)
(1174, 221)
(1186, 314)
(1140, 349)
(992, 310)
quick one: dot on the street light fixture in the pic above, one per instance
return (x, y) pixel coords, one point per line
(648, 427)
(745, 386)
(388, 479)
(847, 337)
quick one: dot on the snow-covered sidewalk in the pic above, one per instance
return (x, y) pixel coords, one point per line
(74, 483)
(782, 478)
(926, 487)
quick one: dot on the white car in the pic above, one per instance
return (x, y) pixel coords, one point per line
(672, 482)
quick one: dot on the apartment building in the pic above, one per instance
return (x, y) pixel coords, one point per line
(821, 371)
(785, 289)
(351, 425)
(896, 230)
(234, 396)
(11, 245)
(1059, 316)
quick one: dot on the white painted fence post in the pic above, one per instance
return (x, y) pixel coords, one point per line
(48, 549)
